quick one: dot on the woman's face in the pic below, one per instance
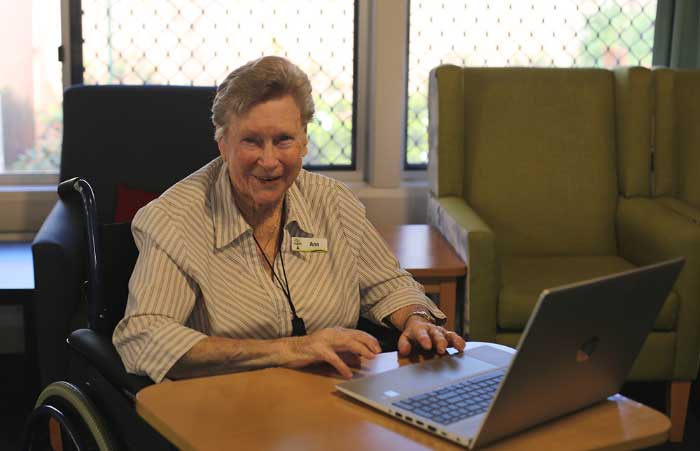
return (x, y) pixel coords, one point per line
(263, 150)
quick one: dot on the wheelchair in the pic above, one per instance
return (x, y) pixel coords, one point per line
(129, 139)
(94, 408)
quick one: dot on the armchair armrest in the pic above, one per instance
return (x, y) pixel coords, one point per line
(648, 232)
(101, 353)
(58, 307)
(475, 243)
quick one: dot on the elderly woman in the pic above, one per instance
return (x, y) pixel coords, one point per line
(252, 262)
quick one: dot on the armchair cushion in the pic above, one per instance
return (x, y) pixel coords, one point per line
(680, 207)
(540, 156)
(129, 201)
(524, 278)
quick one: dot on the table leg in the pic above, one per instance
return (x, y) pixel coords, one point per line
(31, 362)
(448, 302)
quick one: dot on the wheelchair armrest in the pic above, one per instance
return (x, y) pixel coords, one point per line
(99, 351)
(57, 301)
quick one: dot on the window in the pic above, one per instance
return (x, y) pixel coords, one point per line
(198, 42)
(571, 33)
(30, 86)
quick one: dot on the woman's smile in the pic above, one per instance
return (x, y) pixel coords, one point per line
(267, 179)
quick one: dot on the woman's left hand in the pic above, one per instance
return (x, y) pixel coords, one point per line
(428, 336)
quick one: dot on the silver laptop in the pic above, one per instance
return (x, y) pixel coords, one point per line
(577, 349)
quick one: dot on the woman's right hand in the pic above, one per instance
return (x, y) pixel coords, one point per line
(326, 344)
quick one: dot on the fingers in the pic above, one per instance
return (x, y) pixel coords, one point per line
(404, 345)
(337, 363)
(369, 341)
(326, 345)
(351, 359)
(438, 338)
(423, 338)
(429, 336)
(456, 341)
(359, 348)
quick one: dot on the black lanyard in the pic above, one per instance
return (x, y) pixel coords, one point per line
(298, 326)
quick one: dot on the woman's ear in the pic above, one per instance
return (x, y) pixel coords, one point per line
(305, 143)
(222, 147)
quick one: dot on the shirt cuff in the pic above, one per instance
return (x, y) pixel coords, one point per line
(402, 298)
(167, 346)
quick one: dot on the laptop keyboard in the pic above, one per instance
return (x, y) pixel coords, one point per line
(455, 402)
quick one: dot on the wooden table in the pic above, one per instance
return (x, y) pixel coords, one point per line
(282, 409)
(422, 251)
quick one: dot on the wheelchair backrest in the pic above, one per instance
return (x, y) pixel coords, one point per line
(110, 255)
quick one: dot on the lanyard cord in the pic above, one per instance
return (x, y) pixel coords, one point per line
(298, 326)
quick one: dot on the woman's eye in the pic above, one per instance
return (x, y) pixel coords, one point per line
(284, 140)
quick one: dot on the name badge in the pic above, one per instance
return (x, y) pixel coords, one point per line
(300, 244)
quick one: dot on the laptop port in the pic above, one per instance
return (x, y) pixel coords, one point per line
(432, 428)
(409, 419)
(419, 422)
(398, 414)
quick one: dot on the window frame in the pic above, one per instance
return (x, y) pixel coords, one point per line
(368, 25)
(379, 104)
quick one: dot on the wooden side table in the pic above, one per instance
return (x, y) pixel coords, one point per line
(422, 251)
(17, 288)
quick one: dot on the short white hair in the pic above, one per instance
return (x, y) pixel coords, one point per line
(266, 78)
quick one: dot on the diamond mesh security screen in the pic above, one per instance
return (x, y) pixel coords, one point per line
(198, 42)
(565, 33)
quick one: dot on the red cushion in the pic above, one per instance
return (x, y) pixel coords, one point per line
(129, 200)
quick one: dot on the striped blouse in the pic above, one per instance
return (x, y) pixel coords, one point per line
(199, 272)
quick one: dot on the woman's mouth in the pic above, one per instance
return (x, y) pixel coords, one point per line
(264, 179)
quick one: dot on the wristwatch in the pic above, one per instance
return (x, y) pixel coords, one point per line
(426, 315)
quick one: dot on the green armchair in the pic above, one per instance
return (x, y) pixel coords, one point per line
(541, 177)
(677, 148)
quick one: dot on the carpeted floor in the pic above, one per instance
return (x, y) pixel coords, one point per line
(15, 405)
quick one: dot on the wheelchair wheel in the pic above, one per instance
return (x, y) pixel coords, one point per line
(82, 427)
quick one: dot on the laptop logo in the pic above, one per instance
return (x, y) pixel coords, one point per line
(587, 349)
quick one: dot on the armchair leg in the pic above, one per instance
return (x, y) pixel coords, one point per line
(677, 407)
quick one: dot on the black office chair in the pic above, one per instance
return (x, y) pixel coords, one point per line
(144, 138)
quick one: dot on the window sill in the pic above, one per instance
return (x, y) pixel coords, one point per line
(25, 207)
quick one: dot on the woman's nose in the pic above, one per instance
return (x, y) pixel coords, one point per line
(268, 158)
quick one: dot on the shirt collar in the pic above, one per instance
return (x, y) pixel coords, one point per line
(228, 221)
(297, 208)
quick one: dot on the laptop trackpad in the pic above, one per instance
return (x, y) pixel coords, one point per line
(491, 355)
(411, 379)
